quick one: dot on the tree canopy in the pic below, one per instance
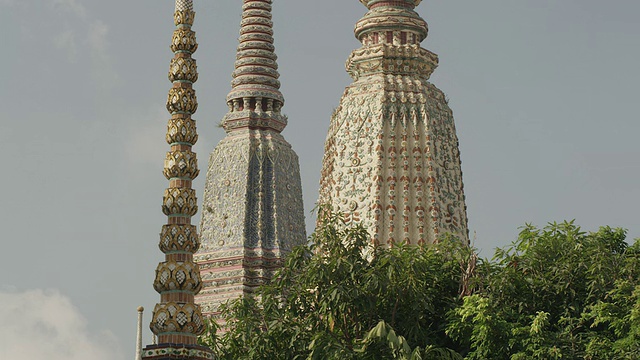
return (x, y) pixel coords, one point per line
(556, 292)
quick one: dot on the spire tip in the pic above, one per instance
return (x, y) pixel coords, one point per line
(371, 3)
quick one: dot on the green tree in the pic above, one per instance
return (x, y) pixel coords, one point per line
(555, 293)
(341, 298)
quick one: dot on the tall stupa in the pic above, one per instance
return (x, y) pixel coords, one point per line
(252, 210)
(391, 157)
(177, 320)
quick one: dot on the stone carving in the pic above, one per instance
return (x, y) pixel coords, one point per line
(252, 210)
(391, 156)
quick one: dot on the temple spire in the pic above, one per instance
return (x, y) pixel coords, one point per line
(395, 30)
(184, 5)
(391, 157)
(177, 320)
(253, 214)
(410, 4)
(388, 20)
(255, 100)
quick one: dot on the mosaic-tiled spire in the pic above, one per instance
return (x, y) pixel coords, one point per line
(255, 99)
(391, 156)
(177, 320)
(253, 212)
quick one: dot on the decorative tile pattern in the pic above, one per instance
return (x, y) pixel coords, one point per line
(183, 17)
(182, 100)
(184, 40)
(181, 164)
(180, 202)
(173, 275)
(177, 320)
(181, 129)
(253, 213)
(177, 352)
(183, 69)
(184, 5)
(252, 210)
(408, 3)
(175, 317)
(179, 239)
(391, 156)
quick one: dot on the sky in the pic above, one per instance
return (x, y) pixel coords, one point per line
(544, 95)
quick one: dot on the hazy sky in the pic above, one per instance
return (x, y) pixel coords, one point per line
(544, 95)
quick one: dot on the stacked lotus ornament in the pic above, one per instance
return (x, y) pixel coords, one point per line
(177, 320)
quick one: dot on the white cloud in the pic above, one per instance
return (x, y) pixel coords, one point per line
(39, 325)
(82, 29)
(98, 37)
(146, 139)
(66, 41)
(14, 5)
(72, 6)
(98, 42)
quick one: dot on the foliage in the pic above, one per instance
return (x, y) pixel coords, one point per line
(555, 293)
(383, 342)
(340, 298)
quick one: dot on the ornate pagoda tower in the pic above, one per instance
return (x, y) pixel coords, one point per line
(177, 320)
(391, 156)
(253, 212)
